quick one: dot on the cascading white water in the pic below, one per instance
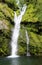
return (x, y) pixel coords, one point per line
(15, 34)
(27, 37)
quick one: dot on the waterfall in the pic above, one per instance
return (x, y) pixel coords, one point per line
(15, 34)
(27, 37)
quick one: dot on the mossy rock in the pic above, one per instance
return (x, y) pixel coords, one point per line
(5, 28)
(22, 43)
(35, 41)
(35, 45)
(5, 37)
(4, 24)
(6, 12)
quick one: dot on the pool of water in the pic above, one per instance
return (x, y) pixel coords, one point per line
(21, 61)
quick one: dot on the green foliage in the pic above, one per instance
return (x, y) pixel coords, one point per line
(32, 22)
(12, 4)
(39, 12)
(5, 11)
(39, 1)
(30, 15)
(4, 42)
(6, 14)
(1, 15)
(35, 44)
(22, 42)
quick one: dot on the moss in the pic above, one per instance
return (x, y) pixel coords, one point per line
(4, 42)
(18, 12)
(5, 28)
(30, 14)
(29, 23)
(7, 12)
(35, 44)
(22, 43)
